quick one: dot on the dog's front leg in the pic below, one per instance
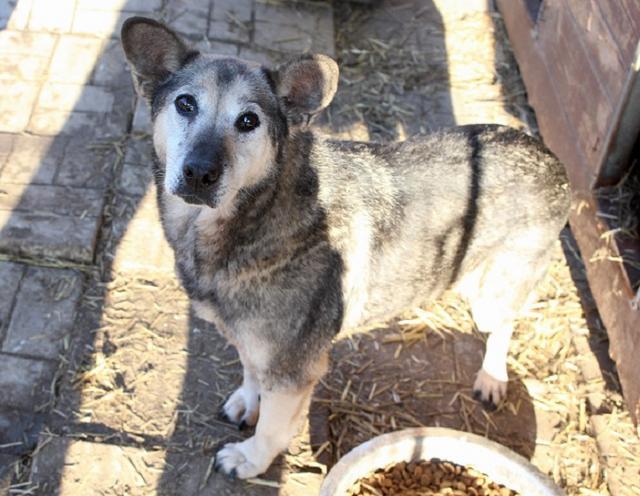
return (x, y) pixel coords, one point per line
(243, 405)
(281, 412)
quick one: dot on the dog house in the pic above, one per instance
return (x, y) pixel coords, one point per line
(580, 61)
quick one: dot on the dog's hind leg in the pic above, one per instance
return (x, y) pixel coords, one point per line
(497, 293)
(281, 413)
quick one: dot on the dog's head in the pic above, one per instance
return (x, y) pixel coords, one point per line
(219, 122)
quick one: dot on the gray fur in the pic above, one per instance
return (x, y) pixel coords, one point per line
(338, 234)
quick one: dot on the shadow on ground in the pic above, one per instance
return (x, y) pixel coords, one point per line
(380, 382)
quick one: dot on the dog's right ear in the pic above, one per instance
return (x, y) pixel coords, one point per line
(153, 51)
(306, 85)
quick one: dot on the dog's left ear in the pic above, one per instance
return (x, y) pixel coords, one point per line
(153, 51)
(307, 85)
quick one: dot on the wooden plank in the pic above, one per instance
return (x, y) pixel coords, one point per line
(605, 55)
(588, 107)
(553, 121)
(624, 131)
(608, 283)
(623, 19)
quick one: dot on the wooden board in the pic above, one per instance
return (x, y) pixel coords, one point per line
(575, 58)
(610, 288)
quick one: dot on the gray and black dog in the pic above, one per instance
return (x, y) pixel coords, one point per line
(282, 237)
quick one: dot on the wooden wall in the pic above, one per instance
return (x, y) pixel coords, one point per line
(576, 58)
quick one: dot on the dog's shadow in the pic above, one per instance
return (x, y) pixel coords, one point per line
(377, 383)
(380, 383)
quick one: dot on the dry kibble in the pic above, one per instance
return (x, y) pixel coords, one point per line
(428, 478)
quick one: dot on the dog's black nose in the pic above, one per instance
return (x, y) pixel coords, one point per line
(200, 177)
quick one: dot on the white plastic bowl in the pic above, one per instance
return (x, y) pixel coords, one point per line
(499, 463)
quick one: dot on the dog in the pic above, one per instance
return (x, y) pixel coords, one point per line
(283, 237)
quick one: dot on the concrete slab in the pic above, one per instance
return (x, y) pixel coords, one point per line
(25, 383)
(19, 430)
(33, 159)
(68, 468)
(44, 312)
(50, 221)
(10, 275)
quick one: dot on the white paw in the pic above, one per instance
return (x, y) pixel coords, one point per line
(241, 460)
(242, 407)
(489, 390)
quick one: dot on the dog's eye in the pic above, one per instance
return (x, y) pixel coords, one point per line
(186, 105)
(247, 122)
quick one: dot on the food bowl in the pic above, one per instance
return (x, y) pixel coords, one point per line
(499, 463)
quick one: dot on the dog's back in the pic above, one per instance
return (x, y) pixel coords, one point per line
(415, 218)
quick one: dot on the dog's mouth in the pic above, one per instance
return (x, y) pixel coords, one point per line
(200, 198)
(196, 199)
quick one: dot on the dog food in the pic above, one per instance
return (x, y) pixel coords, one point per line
(428, 478)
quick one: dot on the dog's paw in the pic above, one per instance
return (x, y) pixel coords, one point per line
(239, 460)
(242, 407)
(489, 390)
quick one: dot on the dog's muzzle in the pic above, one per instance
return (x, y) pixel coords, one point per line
(199, 181)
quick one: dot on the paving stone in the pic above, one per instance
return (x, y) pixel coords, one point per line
(289, 14)
(240, 10)
(231, 20)
(58, 200)
(44, 312)
(34, 159)
(16, 14)
(25, 383)
(261, 57)
(135, 179)
(19, 430)
(6, 146)
(86, 165)
(190, 18)
(74, 58)
(16, 100)
(229, 31)
(139, 150)
(23, 67)
(99, 22)
(217, 47)
(294, 27)
(111, 68)
(121, 5)
(141, 119)
(68, 467)
(283, 37)
(116, 123)
(25, 43)
(56, 122)
(10, 275)
(48, 235)
(51, 16)
(6, 8)
(78, 97)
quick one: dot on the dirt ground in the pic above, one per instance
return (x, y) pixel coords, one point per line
(145, 375)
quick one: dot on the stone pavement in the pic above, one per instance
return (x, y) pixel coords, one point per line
(75, 201)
